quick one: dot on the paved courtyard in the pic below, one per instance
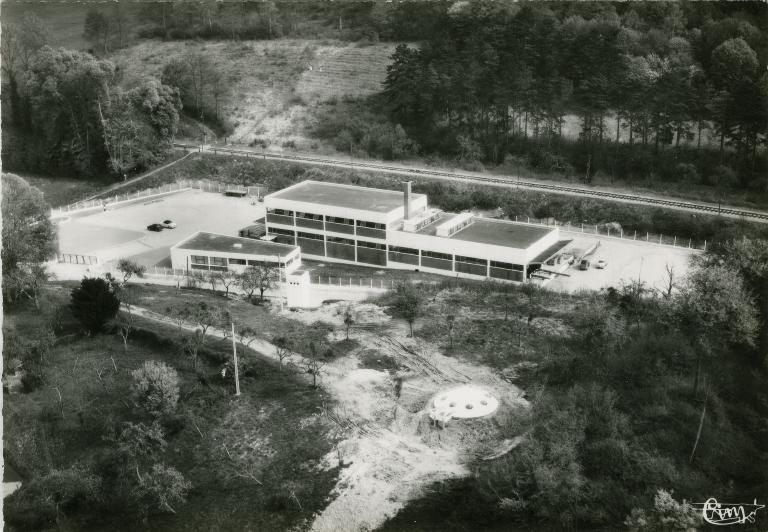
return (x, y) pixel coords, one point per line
(627, 260)
(122, 231)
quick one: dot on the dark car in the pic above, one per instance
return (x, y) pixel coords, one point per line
(155, 227)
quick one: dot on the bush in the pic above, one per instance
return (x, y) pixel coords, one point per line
(38, 502)
(32, 380)
(155, 388)
(94, 303)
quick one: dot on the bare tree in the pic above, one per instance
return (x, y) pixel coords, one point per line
(213, 279)
(129, 268)
(313, 365)
(670, 282)
(260, 277)
(125, 324)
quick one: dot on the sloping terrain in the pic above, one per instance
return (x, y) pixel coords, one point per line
(275, 86)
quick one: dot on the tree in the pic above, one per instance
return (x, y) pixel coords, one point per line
(203, 316)
(97, 29)
(714, 307)
(408, 303)
(44, 498)
(28, 234)
(313, 365)
(129, 268)
(26, 281)
(349, 320)
(667, 514)
(228, 279)
(450, 321)
(94, 303)
(125, 322)
(283, 347)
(162, 487)
(138, 441)
(260, 277)
(155, 388)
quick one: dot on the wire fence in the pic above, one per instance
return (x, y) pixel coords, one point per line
(606, 230)
(206, 185)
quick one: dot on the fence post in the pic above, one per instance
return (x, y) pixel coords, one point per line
(689, 243)
(674, 242)
(635, 237)
(529, 219)
(646, 236)
(660, 239)
(705, 245)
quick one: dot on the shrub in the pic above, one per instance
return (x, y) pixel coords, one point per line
(155, 388)
(94, 303)
(32, 380)
(39, 501)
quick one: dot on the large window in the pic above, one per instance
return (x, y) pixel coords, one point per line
(306, 219)
(371, 229)
(371, 225)
(432, 259)
(281, 212)
(471, 265)
(341, 248)
(218, 261)
(345, 221)
(309, 216)
(278, 231)
(404, 255)
(280, 216)
(372, 245)
(199, 259)
(238, 262)
(311, 243)
(507, 266)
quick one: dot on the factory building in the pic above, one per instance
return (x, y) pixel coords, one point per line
(398, 229)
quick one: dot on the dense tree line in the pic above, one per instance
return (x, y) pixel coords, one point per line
(497, 78)
(70, 115)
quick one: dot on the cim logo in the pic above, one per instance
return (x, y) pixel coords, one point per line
(724, 513)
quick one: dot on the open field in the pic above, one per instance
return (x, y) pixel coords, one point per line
(121, 232)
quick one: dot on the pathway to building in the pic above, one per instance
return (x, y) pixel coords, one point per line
(506, 181)
(388, 451)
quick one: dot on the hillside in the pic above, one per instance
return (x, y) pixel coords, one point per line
(276, 86)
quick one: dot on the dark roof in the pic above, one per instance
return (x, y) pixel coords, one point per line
(346, 196)
(500, 233)
(223, 243)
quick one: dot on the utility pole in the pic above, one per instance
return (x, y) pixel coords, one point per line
(234, 356)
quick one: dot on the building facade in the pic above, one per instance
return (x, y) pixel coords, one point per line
(397, 229)
(209, 252)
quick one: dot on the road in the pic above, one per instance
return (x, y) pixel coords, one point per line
(506, 181)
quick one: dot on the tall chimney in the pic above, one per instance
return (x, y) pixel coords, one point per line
(406, 200)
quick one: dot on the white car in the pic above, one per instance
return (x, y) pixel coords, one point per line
(601, 264)
(169, 224)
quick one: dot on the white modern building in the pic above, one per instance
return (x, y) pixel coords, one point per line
(213, 252)
(397, 229)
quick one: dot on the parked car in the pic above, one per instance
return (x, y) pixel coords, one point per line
(584, 264)
(155, 227)
(169, 224)
(601, 264)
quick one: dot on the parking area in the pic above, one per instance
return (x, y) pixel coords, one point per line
(122, 231)
(627, 260)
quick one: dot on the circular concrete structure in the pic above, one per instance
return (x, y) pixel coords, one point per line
(463, 402)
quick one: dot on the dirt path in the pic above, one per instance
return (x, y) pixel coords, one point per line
(388, 449)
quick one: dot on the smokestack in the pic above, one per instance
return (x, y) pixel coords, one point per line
(406, 200)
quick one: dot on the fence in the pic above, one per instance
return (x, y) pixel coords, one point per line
(205, 185)
(605, 230)
(73, 258)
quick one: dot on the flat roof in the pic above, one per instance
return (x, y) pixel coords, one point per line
(500, 233)
(223, 243)
(346, 196)
(550, 252)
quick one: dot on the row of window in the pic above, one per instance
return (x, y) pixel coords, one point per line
(471, 260)
(337, 240)
(221, 262)
(331, 219)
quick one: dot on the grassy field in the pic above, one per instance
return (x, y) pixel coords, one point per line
(250, 467)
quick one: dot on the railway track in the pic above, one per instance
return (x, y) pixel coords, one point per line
(499, 181)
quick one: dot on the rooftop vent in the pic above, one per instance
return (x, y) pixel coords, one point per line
(237, 245)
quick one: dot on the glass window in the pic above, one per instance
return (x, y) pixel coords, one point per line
(410, 251)
(237, 261)
(198, 259)
(309, 216)
(313, 236)
(506, 265)
(372, 245)
(435, 255)
(471, 260)
(218, 261)
(345, 221)
(337, 240)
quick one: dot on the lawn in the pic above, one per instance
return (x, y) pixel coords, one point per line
(250, 467)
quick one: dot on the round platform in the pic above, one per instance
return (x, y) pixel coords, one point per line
(463, 402)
